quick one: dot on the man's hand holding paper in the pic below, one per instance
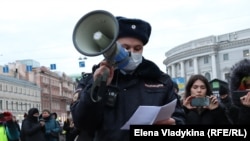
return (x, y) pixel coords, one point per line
(149, 115)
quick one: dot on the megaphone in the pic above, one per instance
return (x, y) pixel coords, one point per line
(96, 33)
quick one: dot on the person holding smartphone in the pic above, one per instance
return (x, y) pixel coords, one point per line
(33, 129)
(200, 105)
(239, 85)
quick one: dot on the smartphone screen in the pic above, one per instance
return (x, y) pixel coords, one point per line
(200, 101)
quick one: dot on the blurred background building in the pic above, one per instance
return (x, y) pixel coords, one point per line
(25, 84)
(211, 56)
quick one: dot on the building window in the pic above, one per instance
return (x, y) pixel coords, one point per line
(4, 87)
(11, 105)
(1, 104)
(19, 90)
(207, 75)
(205, 59)
(7, 106)
(7, 88)
(225, 57)
(246, 53)
(11, 88)
(16, 106)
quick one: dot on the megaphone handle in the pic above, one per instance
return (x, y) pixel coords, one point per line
(99, 87)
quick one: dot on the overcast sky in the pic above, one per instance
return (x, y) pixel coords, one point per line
(42, 29)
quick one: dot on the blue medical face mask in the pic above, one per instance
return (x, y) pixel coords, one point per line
(135, 60)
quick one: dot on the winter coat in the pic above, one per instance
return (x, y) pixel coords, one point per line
(238, 71)
(103, 120)
(207, 117)
(52, 127)
(12, 130)
(31, 128)
(3, 135)
(71, 132)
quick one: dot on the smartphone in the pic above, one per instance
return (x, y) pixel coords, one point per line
(41, 120)
(200, 101)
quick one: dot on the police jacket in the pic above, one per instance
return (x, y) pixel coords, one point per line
(146, 86)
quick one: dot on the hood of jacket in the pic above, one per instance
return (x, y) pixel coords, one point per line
(238, 71)
(31, 112)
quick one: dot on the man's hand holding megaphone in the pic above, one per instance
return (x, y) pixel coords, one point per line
(103, 76)
(100, 37)
(104, 66)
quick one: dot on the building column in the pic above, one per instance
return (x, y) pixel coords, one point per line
(182, 69)
(195, 65)
(214, 68)
(173, 71)
(169, 70)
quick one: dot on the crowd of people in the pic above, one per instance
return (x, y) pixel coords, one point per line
(36, 126)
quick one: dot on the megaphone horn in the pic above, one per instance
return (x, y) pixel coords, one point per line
(96, 33)
(89, 24)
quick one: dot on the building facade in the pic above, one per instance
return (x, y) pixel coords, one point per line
(18, 96)
(22, 88)
(211, 56)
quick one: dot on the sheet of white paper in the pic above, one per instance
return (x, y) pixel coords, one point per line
(166, 111)
(147, 115)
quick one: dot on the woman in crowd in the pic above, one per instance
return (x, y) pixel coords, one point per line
(52, 127)
(205, 112)
(71, 130)
(239, 83)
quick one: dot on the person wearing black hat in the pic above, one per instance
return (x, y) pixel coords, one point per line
(240, 81)
(141, 82)
(33, 129)
(226, 100)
